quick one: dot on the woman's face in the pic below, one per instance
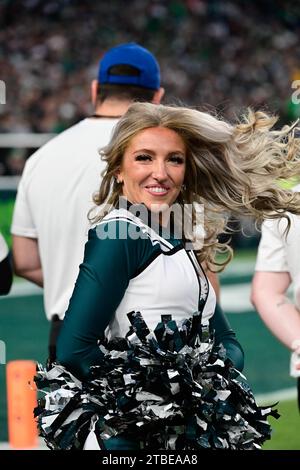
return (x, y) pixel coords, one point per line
(153, 168)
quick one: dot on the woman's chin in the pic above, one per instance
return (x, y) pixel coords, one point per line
(157, 207)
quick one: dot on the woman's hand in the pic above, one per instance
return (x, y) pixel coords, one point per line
(295, 359)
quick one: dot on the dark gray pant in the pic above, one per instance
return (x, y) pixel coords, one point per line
(55, 327)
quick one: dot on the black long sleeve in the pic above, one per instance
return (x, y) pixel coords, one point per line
(104, 275)
(226, 336)
(5, 276)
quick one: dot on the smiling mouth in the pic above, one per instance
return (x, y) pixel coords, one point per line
(157, 190)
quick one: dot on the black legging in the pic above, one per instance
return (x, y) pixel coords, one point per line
(56, 324)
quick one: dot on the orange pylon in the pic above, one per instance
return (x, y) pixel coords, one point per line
(21, 400)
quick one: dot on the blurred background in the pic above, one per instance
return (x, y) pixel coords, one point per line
(223, 55)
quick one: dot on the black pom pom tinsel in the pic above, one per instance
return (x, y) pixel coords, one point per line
(168, 389)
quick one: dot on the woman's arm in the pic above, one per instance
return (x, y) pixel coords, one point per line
(226, 336)
(279, 314)
(104, 275)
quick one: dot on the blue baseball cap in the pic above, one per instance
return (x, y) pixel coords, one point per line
(130, 54)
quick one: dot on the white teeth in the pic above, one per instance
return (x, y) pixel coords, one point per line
(158, 190)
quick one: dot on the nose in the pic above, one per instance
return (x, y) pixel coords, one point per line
(159, 171)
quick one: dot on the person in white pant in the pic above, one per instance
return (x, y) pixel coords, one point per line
(5, 268)
(277, 267)
(50, 221)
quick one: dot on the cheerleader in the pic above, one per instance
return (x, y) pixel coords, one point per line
(145, 360)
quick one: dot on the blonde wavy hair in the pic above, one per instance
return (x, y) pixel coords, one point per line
(229, 168)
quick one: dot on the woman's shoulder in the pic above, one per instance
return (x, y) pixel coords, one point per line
(122, 217)
(118, 224)
(123, 225)
(118, 239)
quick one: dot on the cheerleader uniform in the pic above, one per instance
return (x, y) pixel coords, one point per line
(129, 266)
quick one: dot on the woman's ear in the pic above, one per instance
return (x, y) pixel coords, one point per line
(118, 177)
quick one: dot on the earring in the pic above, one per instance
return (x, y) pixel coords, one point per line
(183, 187)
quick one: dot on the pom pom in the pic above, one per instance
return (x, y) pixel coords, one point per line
(168, 389)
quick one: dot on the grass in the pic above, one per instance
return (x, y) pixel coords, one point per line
(6, 211)
(24, 329)
(286, 435)
(244, 254)
(263, 354)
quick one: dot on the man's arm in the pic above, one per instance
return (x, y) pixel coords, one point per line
(269, 298)
(26, 259)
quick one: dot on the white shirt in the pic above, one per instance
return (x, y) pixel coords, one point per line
(53, 200)
(278, 253)
(3, 248)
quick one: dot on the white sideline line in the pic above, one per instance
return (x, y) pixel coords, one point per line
(279, 395)
(41, 446)
(235, 298)
(23, 289)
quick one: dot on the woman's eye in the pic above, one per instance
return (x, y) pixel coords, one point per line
(143, 158)
(176, 159)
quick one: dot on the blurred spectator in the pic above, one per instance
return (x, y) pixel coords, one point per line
(15, 161)
(223, 54)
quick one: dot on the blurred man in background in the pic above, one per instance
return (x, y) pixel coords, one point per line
(5, 268)
(50, 221)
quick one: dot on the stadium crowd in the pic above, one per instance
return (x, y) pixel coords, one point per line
(228, 55)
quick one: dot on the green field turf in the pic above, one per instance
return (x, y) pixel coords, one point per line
(6, 210)
(266, 360)
(286, 430)
(25, 329)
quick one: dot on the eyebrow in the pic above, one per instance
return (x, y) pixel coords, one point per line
(177, 152)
